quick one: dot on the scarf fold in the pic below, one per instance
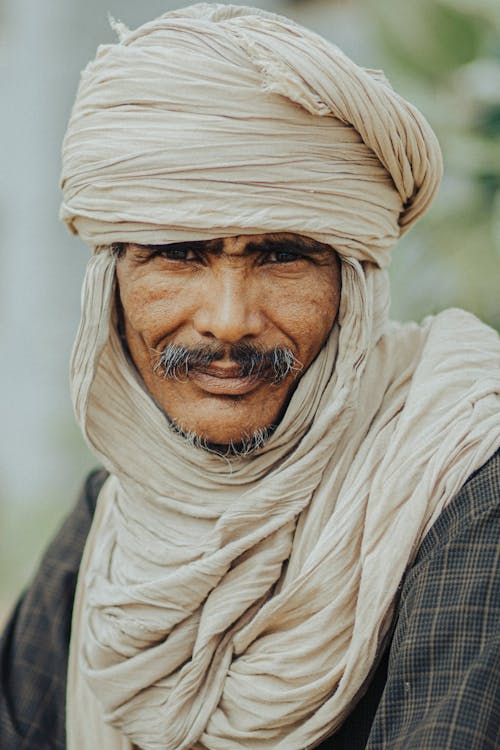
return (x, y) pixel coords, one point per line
(242, 603)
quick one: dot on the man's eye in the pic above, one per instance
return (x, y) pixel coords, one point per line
(282, 256)
(177, 253)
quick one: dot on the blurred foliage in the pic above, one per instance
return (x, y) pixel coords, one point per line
(20, 549)
(429, 39)
(445, 56)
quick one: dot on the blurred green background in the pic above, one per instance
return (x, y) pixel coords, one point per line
(443, 55)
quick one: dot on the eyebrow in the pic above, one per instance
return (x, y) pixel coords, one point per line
(207, 246)
(296, 244)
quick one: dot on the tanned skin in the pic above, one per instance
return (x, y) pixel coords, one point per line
(269, 290)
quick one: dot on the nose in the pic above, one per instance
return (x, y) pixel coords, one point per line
(229, 309)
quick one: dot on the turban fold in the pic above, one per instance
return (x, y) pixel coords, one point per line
(216, 121)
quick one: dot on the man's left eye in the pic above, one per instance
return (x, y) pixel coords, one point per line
(282, 256)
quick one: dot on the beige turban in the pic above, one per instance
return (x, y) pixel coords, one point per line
(198, 125)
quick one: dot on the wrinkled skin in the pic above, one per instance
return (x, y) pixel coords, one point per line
(269, 290)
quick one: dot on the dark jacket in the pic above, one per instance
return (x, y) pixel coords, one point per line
(436, 686)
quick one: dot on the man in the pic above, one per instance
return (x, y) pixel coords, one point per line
(293, 542)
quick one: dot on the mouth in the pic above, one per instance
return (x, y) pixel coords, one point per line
(224, 380)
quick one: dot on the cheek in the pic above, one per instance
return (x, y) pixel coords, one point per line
(148, 305)
(308, 312)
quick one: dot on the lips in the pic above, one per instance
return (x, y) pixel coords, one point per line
(223, 380)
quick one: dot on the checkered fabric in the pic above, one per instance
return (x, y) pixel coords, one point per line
(437, 686)
(443, 687)
(34, 647)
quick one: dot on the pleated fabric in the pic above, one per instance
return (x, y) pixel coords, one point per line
(241, 603)
(167, 122)
(225, 604)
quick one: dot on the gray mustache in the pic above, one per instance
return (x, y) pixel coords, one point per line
(269, 365)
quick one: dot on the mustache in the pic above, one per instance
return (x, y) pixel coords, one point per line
(271, 365)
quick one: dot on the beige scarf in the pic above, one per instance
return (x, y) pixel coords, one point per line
(242, 604)
(225, 604)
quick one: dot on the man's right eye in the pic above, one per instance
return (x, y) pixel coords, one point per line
(181, 252)
(176, 251)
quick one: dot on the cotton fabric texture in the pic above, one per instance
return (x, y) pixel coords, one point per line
(185, 108)
(242, 603)
(456, 564)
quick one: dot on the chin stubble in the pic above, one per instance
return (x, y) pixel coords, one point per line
(248, 444)
(272, 365)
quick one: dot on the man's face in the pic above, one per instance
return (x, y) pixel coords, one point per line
(276, 292)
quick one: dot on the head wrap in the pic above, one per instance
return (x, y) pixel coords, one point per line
(243, 604)
(197, 125)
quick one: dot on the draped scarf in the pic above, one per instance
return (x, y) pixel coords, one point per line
(243, 603)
